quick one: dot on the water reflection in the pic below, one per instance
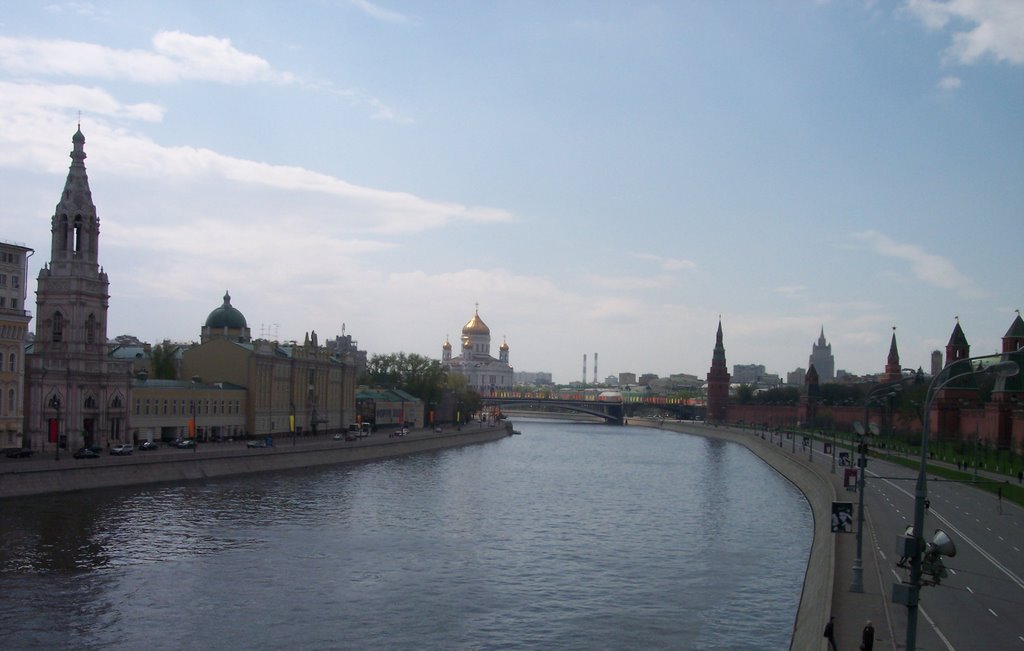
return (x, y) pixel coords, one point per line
(566, 537)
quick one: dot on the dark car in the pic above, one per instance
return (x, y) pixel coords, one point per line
(18, 453)
(148, 445)
(86, 453)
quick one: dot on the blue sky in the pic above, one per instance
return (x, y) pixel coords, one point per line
(603, 177)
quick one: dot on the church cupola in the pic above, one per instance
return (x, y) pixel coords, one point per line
(503, 351)
(446, 350)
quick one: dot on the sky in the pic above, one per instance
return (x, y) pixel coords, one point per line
(598, 177)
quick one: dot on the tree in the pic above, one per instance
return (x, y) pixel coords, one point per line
(162, 359)
(415, 374)
(744, 394)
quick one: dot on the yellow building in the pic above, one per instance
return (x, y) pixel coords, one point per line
(166, 410)
(308, 381)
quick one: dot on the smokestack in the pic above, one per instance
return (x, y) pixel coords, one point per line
(584, 369)
(595, 368)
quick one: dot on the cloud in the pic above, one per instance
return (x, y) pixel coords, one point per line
(949, 83)
(175, 57)
(666, 264)
(34, 124)
(374, 11)
(929, 268)
(981, 27)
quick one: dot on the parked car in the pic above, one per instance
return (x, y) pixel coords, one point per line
(255, 444)
(186, 444)
(148, 445)
(86, 453)
(18, 453)
(121, 449)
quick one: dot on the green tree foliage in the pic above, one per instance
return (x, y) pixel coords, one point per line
(415, 374)
(834, 393)
(779, 396)
(161, 358)
(465, 399)
(744, 394)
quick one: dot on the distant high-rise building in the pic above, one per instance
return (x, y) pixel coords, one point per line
(936, 362)
(796, 377)
(822, 360)
(626, 379)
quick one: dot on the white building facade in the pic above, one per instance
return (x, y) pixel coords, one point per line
(484, 374)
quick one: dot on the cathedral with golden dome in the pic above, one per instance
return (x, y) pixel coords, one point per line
(483, 373)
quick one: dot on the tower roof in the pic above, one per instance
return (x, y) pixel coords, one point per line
(226, 316)
(1016, 330)
(958, 338)
(476, 326)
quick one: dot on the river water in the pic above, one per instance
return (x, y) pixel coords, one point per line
(570, 536)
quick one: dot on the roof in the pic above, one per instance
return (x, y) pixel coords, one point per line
(226, 316)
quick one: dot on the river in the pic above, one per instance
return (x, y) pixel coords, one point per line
(570, 536)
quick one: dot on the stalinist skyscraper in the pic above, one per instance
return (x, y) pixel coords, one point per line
(822, 360)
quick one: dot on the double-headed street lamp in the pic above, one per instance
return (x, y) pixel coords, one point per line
(910, 595)
(885, 391)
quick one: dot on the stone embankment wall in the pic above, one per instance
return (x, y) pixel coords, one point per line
(88, 474)
(820, 492)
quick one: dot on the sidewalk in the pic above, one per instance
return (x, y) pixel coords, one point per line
(853, 609)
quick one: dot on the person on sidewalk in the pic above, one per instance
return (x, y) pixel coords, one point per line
(830, 634)
(867, 638)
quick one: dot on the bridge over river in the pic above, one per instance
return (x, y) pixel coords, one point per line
(611, 406)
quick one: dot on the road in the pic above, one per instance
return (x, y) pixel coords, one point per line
(978, 605)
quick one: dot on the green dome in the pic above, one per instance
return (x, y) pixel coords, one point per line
(226, 316)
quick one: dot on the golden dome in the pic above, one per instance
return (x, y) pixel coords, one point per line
(504, 346)
(447, 344)
(476, 326)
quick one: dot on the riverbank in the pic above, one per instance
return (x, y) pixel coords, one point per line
(24, 477)
(819, 490)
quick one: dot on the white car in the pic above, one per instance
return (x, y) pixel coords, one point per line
(122, 449)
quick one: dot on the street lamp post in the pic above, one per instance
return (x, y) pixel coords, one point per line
(55, 405)
(887, 391)
(911, 597)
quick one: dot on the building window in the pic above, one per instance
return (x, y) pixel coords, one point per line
(10, 402)
(14, 303)
(3, 280)
(165, 406)
(90, 329)
(147, 406)
(15, 282)
(137, 406)
(13, 365)
(58, 328)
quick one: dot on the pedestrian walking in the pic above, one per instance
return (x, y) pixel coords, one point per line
(867, 638)
(830, 633)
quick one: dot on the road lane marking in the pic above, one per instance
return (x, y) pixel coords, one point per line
(993, 612)
(968, 588)
(952, 529)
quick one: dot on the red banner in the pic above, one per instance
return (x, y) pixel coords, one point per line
(53, 430)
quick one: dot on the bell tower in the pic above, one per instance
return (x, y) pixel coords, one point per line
(73, 291)
(76, 392)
